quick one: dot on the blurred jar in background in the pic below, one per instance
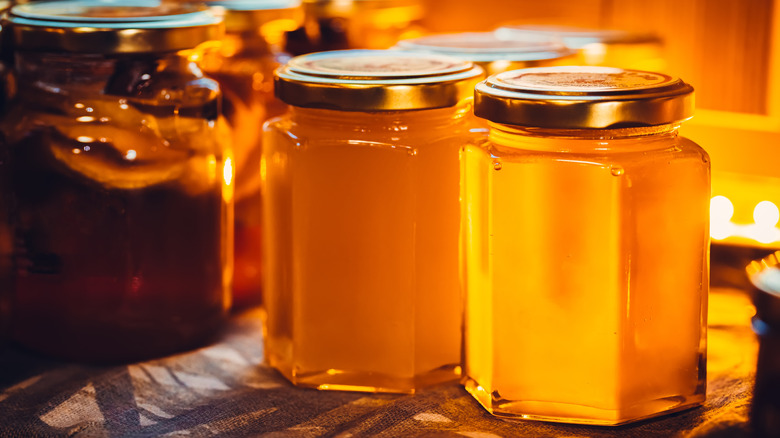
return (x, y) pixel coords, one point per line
(493, 54)
(355, 24)
(586, 247)
(361, 210)
(244, 66)
(765, 410)
(121, 189)
(598, 47)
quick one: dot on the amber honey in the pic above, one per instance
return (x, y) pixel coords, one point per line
(362, 208)
(243, 64)
(586, 259)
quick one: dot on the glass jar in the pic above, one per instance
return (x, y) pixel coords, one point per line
(765, 408)
(355, 24)
(586, 247)
(602, 47)
(244, 66)
(120, 186)
(494, 55)
(362, 215)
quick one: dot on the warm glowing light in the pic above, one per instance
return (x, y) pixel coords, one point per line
(766, 214)
(85, 139)
(594, 53)
(721, 212)
(227, 172)
(76, 151)
(79, 105)
(130, 155)
(85, 119)
(263, 169)
(721, 209)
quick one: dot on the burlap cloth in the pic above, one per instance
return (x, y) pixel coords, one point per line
(225, 390)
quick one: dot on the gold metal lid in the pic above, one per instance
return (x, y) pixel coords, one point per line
(375, 80)
(485, 47)
(251, 15)
(576, 37)
(106, 26)
(583, 97)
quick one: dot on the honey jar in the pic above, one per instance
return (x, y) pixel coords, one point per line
(355, 24)
(493, 54)
(603, 47)
(361, 210)
(120, 187)
(586, 247)
(244, 64)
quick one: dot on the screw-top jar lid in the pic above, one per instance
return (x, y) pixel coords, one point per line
(486, 47)
(375, 80)
(250, 15)
(765, 276)
(110, 26)
(576, 37)
(583, 97)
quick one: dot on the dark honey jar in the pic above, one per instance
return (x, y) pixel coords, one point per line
(118, 182)
(244, 65)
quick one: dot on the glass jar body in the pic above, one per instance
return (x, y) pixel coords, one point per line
(586, 273)
(362, 218)
(365, 24)
(244, 67)
(121, 205)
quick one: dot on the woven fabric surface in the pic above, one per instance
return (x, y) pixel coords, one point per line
(225, 390)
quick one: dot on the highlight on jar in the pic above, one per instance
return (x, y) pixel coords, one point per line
(361, 209)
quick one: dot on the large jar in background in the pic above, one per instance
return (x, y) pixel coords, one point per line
(244, 66)
(361, 211)
(586, 247)
(355, 24)
(121, 190)
(600, 47)
(493, 54)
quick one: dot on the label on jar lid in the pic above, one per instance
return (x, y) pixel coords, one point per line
(376, 64)
(580, 79)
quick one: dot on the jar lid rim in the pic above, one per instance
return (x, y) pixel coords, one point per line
(375, 80)
(109, 26)
(577, 97)
(486, 47)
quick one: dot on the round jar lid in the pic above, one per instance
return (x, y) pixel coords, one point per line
(576, 37)
(109, 26)
(249, 15)
(375, 80)
(765, 276)
(487, 47)
(583, 97)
